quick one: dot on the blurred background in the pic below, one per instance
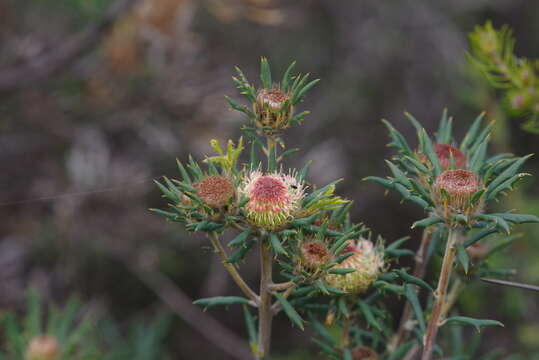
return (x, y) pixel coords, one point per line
(98, 98)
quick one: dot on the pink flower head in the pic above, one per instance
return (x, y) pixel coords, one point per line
(274, 198)
(455, 188)
(446, 152)
(367, 261)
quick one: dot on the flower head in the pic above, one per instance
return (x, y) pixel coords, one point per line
(43, 347)
(215, 190)
(447, 152)
(314, 255)
(274, 198)
(364, 353)
(367, 261)
(273, 108)
(454, 190)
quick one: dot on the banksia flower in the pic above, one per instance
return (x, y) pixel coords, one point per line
(314, 255)
(364, 353)
(43, 347)
(274, 199)
(454, 190)
(215, 190)
(368, 263)
(273, 108)
(447, 153)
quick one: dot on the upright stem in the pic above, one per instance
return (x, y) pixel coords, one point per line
(265, 313)
(440, 295)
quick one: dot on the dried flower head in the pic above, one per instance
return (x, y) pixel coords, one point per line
(274, 199)
(43, 347)
(367, 261)
(447, 153)
(314, 255)
(454, 190)
(273, 108)
(215, 190)
(364, 353)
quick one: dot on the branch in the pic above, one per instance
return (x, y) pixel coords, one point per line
(40, 68)
(232, 269)
(182, 305)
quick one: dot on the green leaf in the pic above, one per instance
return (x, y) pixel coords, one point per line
(431, 154)
(241, 108)
(478, 236)
(444, 130)
(301, 93)
(371, 320)
(398, 140)
(432, 220)
(290, 311)
(478, 158)
(221, 300)
(240, 238)
(251, 326)
(341, 271)
(517, 218)
(397, 243)
(239, 254)
(265, 73)
(413, 280)
(321, 330)
(277, 246)
(411, 295)
(477, 323)
(347, 354)
(507, 174)
(463, 258)
(471, 135)
(286, 77)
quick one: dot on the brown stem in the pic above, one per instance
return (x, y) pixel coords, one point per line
(419, 272)
(265, 314)
(232, 269)
(440, 295)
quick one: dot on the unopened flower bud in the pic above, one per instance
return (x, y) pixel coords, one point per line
(314, 255)
(454, 190)
(364, 353)
(274, 199)
(368, 263)
(43, 347)
(447, 154)
(271, 110)
(215, 190)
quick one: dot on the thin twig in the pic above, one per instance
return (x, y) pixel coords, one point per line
(440, 295)
(265, 313)
(219, 249)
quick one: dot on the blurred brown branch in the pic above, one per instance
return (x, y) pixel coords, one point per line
(42, 67)
(183, 306)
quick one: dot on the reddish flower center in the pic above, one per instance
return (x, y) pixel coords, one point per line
(269, 189)
(446, 152)
(458, 181)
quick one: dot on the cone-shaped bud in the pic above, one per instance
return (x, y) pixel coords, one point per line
(215, 190)
(454, 190)
(274, 199)
(447, 152)
(367, 261)
(43, 347)
(314, 255)
(273, 108)
(364, 353)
